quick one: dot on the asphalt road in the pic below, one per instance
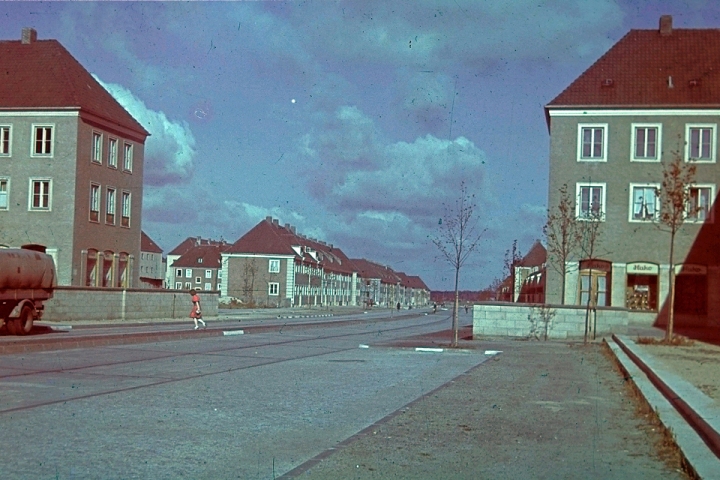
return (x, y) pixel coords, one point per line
(245, 406)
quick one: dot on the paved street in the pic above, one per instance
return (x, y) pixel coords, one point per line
(247, 406)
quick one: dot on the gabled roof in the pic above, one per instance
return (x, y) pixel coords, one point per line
(191, 242)
(270, 238)
(201, 256)
(417, 283)
(371, 270)
(267, 237)
(536, 257)
(43, 75)
(661, 68)
(148, 245)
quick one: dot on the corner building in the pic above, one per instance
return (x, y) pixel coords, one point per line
(654, 95)
(71, 166)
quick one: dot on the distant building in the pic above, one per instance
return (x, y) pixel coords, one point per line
(273, 265)
(152, 266)
(198, 268)
(184, 246)
(71, 165)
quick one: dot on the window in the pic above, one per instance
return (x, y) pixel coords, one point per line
(208, 286)
(188, 272)
(97, 147)
(125, 221)
(43, 140)
(700, 143)
(590, 201)
(110, 206)
(273, 288)
(644, 203)
(112, 153)
(94, 202)
(198, 280)
(4, 188)
(700, 201)
(178, 285)
(274, 266)
(646, 142)
(5, 136)
(200, 260)
(40, 194)
(208, 273)
(187, 286)
(128, 158)
(594, 284)
(91, 266)
(178, 272)
(592, 143)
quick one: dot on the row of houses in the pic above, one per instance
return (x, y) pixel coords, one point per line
(274, 265)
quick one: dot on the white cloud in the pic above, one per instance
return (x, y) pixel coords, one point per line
(170, 148)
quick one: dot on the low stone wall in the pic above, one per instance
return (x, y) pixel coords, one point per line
(529, 320)
(78, 303)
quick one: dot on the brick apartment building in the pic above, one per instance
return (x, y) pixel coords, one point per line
(71, 165)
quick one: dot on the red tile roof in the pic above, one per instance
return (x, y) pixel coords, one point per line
(536, 257)
(43, 75)
(270, 238)
(202, 256)
(191, 242)
(646, 68)
(148, 245)
(371, 270)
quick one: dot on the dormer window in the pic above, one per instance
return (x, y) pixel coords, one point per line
(200, 260)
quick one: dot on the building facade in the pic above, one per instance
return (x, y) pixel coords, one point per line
(152, 266)
(71, 166)
(653, 97)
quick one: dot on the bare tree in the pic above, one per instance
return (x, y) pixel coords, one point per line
(590, 232)
(457, 239)
(675, 206)
(512, 257)
(562, 234)
(248, 286)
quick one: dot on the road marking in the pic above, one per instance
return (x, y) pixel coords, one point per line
(233, 332)
(492, 352)
(427, 349)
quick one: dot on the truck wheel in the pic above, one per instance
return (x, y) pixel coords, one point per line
(11, 326)
(24, 324)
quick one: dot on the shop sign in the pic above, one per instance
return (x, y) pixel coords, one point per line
(690, 269)
(642, 268)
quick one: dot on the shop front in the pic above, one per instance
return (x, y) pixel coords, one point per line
(641, 291)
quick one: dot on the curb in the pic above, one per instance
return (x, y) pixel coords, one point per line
(697, 448)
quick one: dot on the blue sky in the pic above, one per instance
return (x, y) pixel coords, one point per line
(354, 121)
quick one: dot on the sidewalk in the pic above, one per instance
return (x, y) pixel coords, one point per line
(443, 436)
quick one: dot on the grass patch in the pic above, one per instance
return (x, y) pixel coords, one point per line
(676, 341)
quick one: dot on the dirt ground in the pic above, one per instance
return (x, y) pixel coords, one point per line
(698, 364)
(538, 410)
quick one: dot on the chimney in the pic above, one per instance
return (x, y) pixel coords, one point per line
(29, 35)
(268, 219)
(276, 222)
(665, 25)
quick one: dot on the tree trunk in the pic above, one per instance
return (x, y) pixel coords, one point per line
(564, 275)
(671, 277)
(455, 310)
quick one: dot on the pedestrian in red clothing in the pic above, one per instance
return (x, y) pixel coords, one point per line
(196, 313)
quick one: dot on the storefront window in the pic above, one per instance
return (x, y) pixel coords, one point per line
(641, 291)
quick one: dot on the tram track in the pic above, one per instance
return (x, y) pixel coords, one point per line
(218, 351)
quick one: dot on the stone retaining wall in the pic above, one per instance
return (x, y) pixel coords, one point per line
(78, 303)
(527, 320)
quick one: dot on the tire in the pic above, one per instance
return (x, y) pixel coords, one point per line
(11, 326)
(24, 323)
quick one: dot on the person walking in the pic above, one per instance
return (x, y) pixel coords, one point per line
(196, 312)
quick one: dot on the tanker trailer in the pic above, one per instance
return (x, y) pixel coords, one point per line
(27, 279)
